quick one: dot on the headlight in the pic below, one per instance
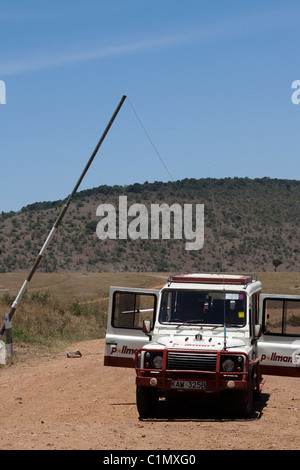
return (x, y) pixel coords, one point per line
(153, 359)
(157, 362)
(228, 365)
(233, 364)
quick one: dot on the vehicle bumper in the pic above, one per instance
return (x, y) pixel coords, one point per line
(194, 381)
(211, 385)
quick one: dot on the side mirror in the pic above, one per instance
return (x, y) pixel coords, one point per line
(146, 326)
(257, 330)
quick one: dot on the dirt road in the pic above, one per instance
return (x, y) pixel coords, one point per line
(57, 402)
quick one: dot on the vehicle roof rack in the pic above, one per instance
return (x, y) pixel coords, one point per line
(210, 278)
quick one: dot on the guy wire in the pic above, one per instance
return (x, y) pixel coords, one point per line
(151, 142)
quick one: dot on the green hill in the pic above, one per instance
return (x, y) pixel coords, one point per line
(249, 225)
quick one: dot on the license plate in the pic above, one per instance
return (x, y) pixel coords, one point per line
(188, 384)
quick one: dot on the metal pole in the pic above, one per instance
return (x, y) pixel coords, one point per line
(9, 315)
(8, 330)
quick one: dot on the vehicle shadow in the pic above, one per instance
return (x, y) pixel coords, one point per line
(208, 408)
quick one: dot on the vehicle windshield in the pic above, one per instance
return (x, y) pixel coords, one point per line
(203, 307)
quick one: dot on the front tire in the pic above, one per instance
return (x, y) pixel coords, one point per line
(146, 401)
(243, 401)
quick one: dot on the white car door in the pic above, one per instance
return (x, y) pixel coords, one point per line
(279, 343)
(127, 309)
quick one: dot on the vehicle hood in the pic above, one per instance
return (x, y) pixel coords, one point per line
(209, 343)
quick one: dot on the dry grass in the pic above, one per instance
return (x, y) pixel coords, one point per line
(63, 308)
(280, 283)
(76, 285)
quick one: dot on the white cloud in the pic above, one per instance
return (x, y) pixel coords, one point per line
(234, 28)
(27, 65)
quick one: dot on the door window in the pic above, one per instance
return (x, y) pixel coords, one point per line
(281, 317)
(131, 309)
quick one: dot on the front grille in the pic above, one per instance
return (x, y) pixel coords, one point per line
(191, 361)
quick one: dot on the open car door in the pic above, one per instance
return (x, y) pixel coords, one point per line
(279, 343)
(127, 310)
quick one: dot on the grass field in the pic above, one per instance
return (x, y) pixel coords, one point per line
(61, 308)
(89, 286)
(80, 286)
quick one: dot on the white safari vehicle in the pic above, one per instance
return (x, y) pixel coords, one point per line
(203, 333)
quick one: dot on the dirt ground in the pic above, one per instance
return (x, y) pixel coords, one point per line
(56, 402)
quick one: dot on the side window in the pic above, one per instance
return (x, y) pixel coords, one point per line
(131, 309)
(281, 317)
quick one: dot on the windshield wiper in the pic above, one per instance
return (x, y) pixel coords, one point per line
(189, 322)
(194, 321)
(197, 322)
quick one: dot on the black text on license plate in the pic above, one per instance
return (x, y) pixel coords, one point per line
(188, 384)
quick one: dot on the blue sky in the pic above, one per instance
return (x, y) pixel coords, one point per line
(209, 79)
